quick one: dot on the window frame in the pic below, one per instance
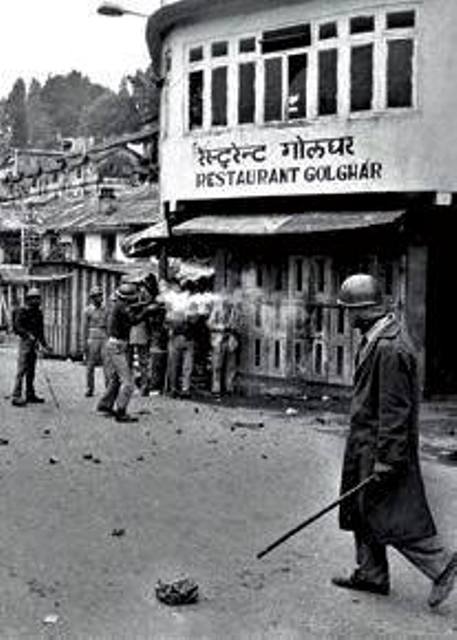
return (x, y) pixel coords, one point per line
(343, 43)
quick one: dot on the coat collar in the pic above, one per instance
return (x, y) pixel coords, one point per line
(387, 327)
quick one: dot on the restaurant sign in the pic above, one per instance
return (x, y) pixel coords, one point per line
(293, 162)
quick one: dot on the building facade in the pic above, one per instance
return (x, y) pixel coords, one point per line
(306, 141)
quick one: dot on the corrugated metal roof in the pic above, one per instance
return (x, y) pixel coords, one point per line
(138, 206)
(277, 224)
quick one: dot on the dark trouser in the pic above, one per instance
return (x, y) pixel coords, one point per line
(428, 555)
(26, 364)
(120, 378)
(158, 366)
(95, 358)
(180, 362)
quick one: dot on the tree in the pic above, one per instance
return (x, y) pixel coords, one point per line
(110, 114)
(65, 98)
(16, 113)
(5, 133)
(145, 95)
(42, 131)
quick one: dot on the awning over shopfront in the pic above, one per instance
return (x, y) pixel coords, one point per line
(291, 224)
(142, 243)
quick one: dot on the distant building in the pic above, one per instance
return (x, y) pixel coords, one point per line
(79, 203)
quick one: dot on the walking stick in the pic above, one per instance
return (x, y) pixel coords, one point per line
(316, 516)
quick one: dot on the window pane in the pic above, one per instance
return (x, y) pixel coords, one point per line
(339, 360)
(320, 274)
(195, 99)
(399, 73)
(296, 107)
(362, 24)
(328, 87)
(400, 20)
(341, 320)
(246, 45)
(297, 353)
(361, 77)
(273, 89)
(219, 49)
(288, 38)
(246, 95)
(277, 354)
(219, 96)
(318, 359)
(196, 54)
(299, 275)
(328, 30)
(259, 276)
(257, 353)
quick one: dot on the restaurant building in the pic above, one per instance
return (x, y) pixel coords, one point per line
(306, 140)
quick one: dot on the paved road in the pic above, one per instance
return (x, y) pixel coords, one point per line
(195, 496)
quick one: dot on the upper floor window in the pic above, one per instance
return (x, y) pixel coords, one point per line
(351, 64)
(400, 73)
(246, 92)
(362, 77)
(288, 38)
(219, 49)
(361, 24)
(195, 92)
(328, 82)
(247, 45)
(328, 30)
(219, 96)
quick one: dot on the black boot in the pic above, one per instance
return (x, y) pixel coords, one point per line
(33, 399)
(122, 416)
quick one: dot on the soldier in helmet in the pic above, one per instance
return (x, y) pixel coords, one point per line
(123, 314)
(28, 325)
(383, 441)
(95, 325)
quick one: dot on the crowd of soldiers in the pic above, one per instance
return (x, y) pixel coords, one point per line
(159, 336)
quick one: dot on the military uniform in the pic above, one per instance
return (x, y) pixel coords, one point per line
(95, 319)
(29, 326)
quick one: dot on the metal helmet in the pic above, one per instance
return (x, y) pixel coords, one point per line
(33, 292)
(95, 292)
(127, 292)
(360, 290)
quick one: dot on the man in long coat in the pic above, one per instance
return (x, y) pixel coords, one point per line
(383, 440)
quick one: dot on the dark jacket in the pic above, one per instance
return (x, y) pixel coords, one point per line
(28, 323)
(384, 428)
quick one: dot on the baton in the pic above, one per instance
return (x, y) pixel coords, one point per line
(316, 516)
(50, 387)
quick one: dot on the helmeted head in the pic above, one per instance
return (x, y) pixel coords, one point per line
(361, 294)
(33, 296)
(127, 292)
(96, 295)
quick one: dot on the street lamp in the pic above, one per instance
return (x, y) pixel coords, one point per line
(114, 10)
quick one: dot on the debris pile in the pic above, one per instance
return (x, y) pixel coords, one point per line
(178, 592)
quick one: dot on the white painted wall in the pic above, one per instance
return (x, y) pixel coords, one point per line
(93, 247)
(415, 148)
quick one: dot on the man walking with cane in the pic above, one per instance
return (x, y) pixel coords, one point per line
(28, 325)
(383, 440)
